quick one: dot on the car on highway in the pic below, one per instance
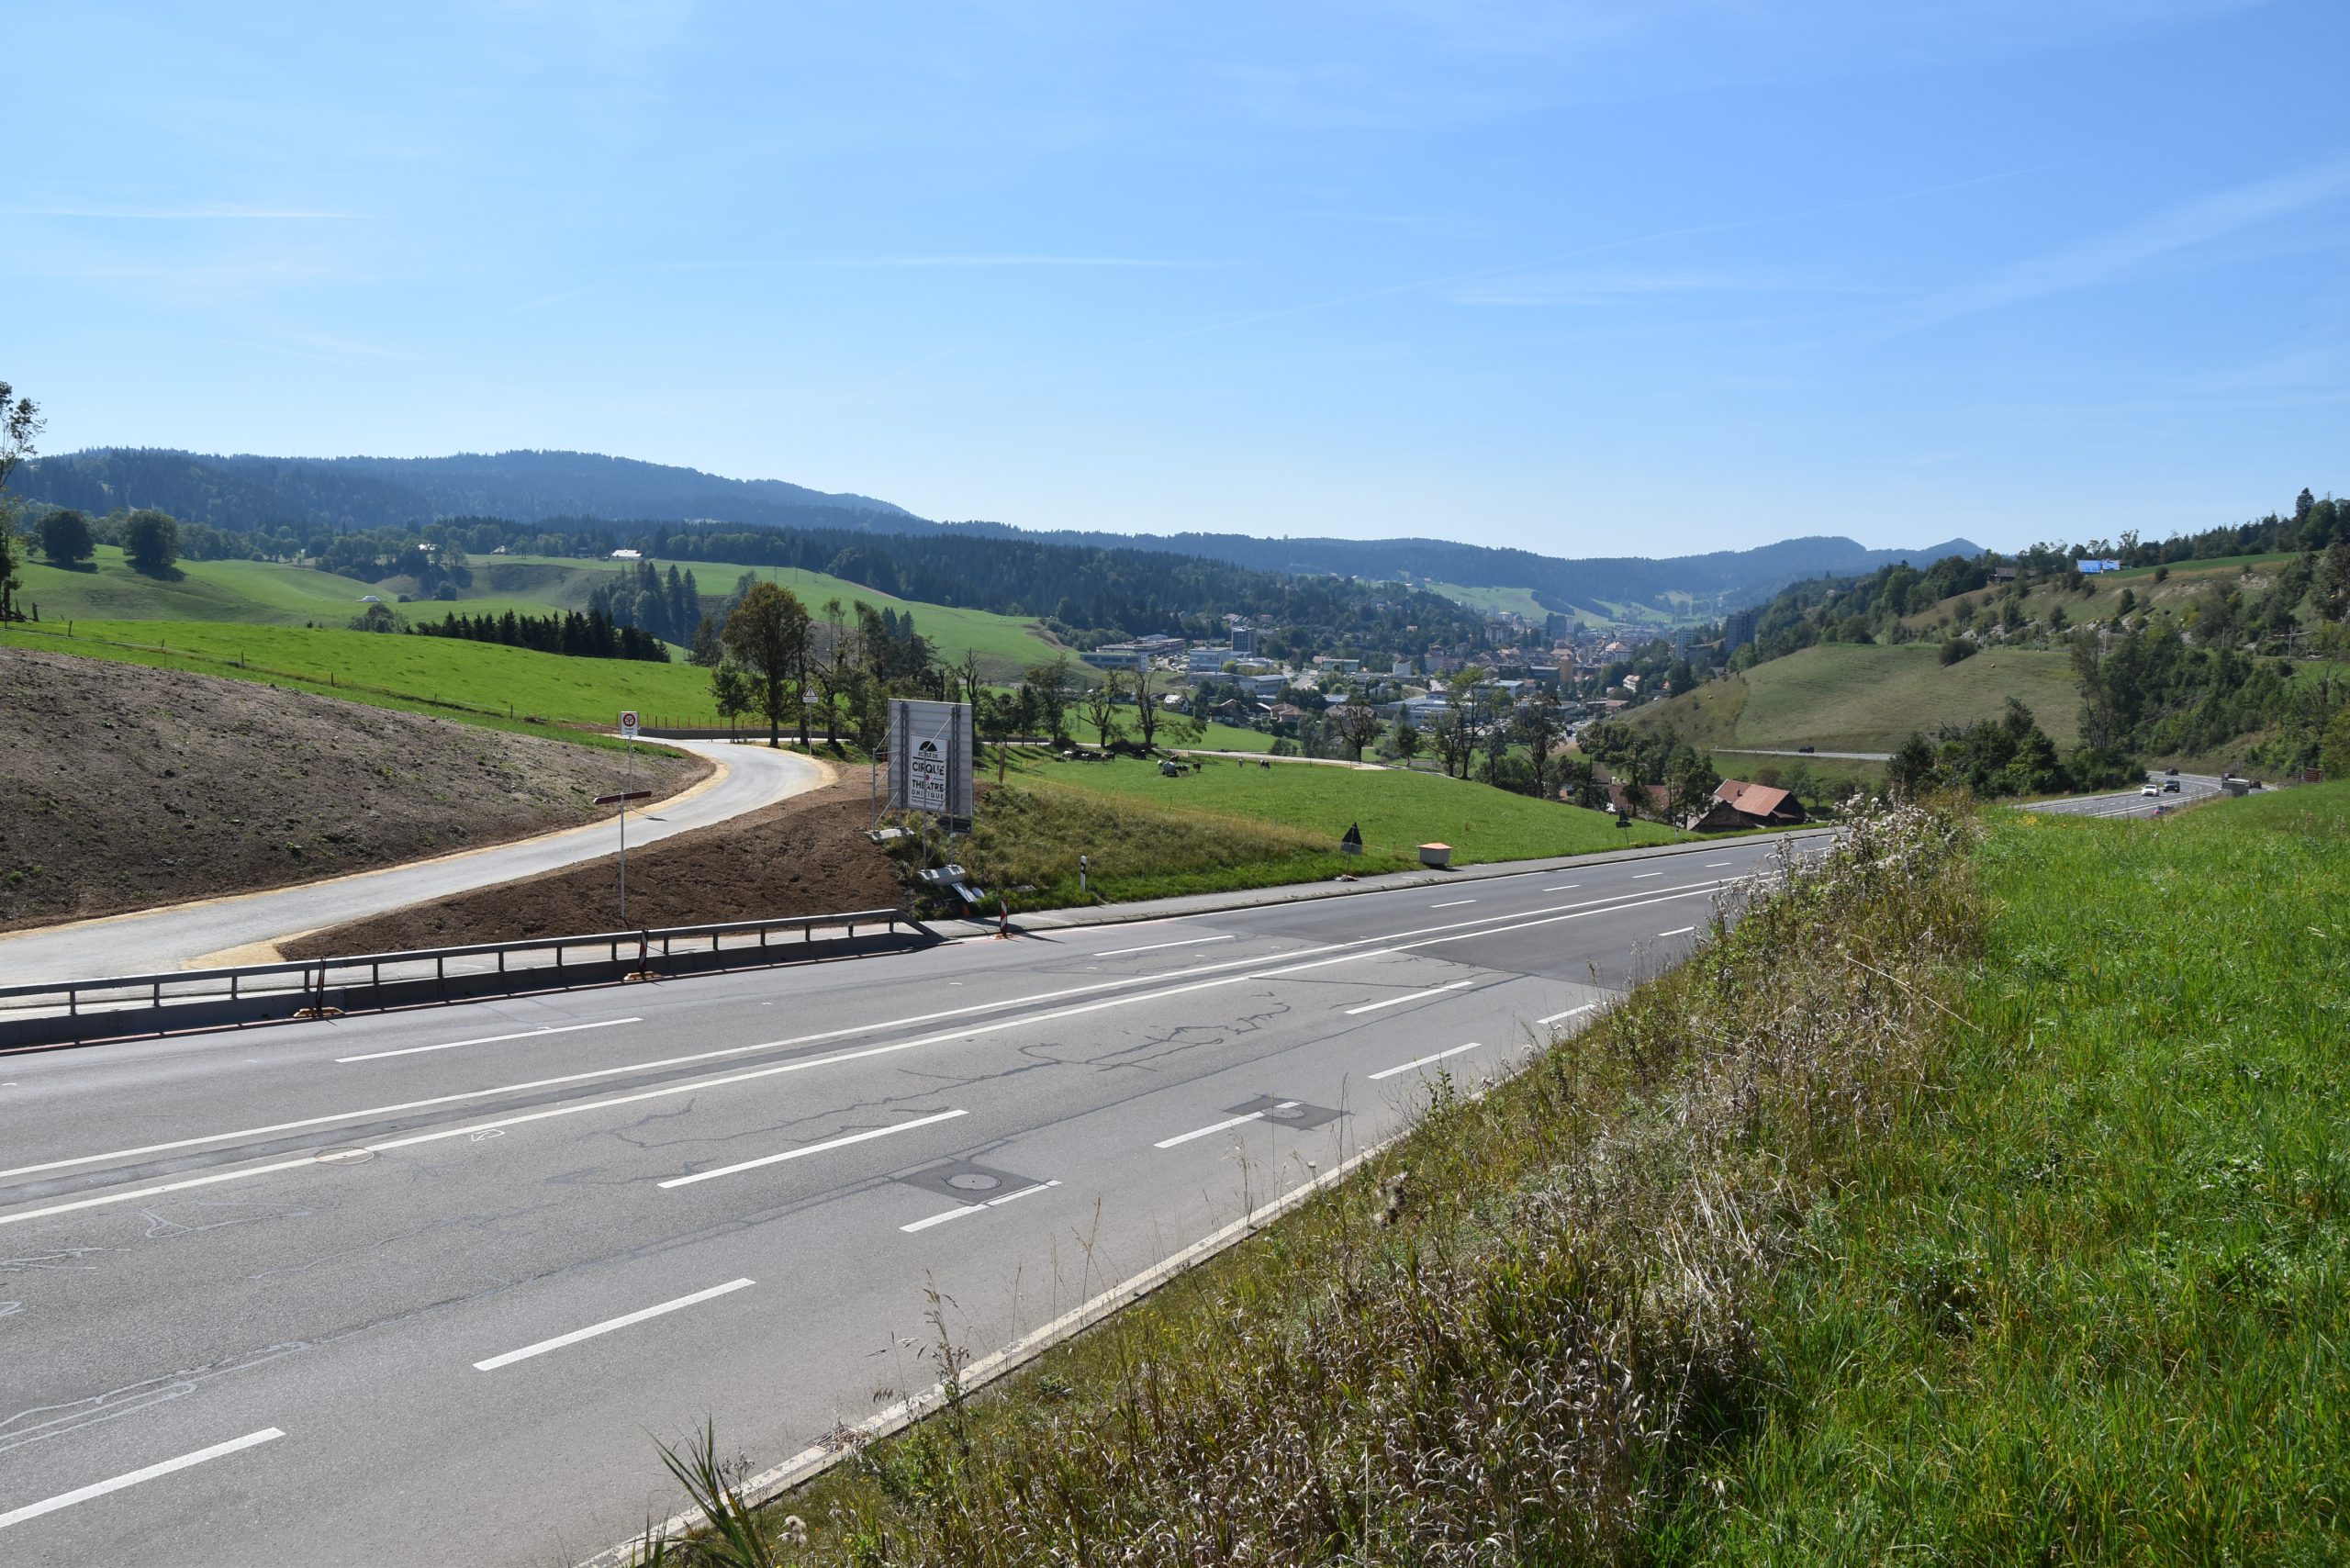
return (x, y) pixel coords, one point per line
(2150, 788)
(2170, 772)
(2170, 786)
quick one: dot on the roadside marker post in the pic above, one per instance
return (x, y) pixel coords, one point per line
(628, 793)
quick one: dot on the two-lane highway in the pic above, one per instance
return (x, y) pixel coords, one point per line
(2135, 801)
(416, 1287)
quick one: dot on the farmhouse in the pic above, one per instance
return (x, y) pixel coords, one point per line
(1737, 804)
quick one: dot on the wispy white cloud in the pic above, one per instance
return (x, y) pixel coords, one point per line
(2135, 247)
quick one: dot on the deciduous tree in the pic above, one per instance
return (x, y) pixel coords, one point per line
(65, 538)
(767, 635)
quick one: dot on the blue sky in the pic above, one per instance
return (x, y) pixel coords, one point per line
(1632, 276)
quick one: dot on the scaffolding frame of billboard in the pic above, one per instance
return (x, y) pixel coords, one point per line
(929, 765)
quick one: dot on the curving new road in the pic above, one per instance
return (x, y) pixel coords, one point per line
(428, 1286)
(176, 936)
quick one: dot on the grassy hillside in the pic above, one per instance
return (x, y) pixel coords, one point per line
(2089, 1304)
(2186, 581)
(247, 592)
(266, 593)
(419, 674)
(1859, 696)
(1006, 646)
(1398, 810)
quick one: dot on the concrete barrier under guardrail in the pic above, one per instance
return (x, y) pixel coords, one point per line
(59, 1013)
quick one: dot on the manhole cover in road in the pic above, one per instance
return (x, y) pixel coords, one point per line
(1288, 1112)
(969, 1183)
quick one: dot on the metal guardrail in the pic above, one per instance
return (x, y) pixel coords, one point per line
(57, 1011)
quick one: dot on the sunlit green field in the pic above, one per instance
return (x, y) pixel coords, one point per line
(426, 673)
(1397, 810)
(2093, 1307)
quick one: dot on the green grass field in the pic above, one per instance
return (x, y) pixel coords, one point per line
(1860, 697)
(2184, 582)
(2091, 1306)
(1512, 600)
(253, 592)
(267, 593)
(421, 674)
(1398, 810)
(1006, 647)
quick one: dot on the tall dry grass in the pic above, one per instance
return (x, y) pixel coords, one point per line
(1504, 1339)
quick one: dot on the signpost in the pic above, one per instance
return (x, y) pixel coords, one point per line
(628, 791)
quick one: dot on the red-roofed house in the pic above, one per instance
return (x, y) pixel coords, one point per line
(1737, 804)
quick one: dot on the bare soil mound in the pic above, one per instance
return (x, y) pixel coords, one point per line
(808, 855)
(123, 788)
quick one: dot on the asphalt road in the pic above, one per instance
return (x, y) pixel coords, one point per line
(426, 1287)
(180, 935)
(1847, 755)
(2132, 802)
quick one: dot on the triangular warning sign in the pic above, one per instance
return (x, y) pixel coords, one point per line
(1354, 835)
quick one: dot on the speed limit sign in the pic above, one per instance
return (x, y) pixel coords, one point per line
(628, 724)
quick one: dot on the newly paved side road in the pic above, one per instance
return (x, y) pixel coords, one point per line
(427, 1288)
(180, 935)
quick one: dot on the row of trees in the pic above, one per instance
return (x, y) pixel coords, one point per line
(592, 635)
(780, 662)
(1996, 758)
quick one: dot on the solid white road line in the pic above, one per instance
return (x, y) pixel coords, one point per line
(491, 1040)
(1570, 1013)
(1219, 1127)
(1681, 931)
(560, 1340)
(1411, 996)
(1452, 904)
(1563, 888)
(99, 1489)
(1714, 865)
(811, 1148)
(1423, 1061)
(975, 1208)
(1480, 928)
(1643, 875)
(1154, 946)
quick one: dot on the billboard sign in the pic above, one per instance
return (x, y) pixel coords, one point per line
(930, 757)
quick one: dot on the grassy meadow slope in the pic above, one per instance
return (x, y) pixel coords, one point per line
(1006, 644)
(1861, 697)
(2182, 584)
(246, 592)
(2088, 1303)
(267, 593)
(474, 680)
(1397, 810)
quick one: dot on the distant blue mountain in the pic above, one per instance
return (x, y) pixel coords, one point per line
(246, 492)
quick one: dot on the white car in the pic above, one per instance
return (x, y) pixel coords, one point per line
(2155, 789)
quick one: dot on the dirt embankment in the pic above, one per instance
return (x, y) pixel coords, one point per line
(808, 855)
(123, 788)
